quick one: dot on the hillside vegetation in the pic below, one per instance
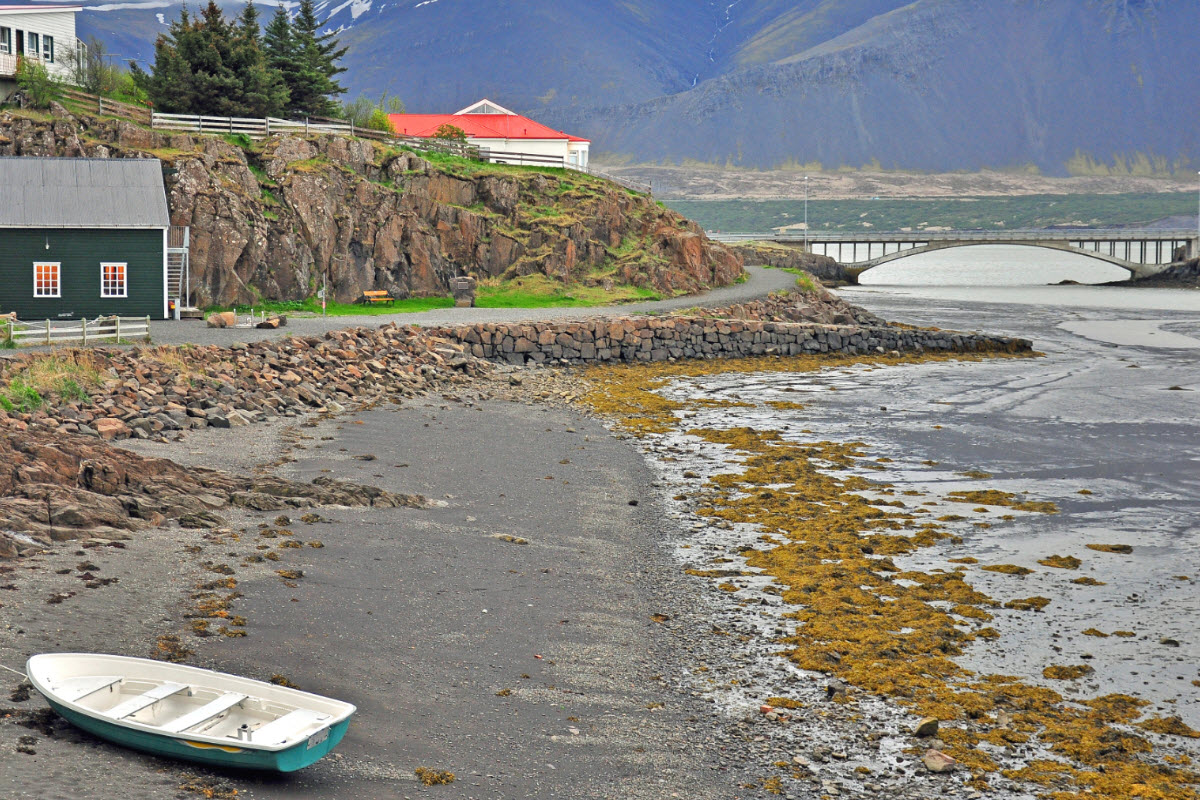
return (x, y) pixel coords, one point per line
(272, 219)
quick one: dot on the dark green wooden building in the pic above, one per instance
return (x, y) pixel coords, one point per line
(83, 237)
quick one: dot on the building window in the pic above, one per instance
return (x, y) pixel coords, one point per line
(33, 45)
(48, 49)
(5, 40)
(112, 280)
(45, 279)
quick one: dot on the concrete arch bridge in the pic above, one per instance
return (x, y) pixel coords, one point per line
(1142, 252)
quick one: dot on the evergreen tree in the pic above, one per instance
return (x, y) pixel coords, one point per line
(206, 65)
(263, 92)
(279, 45)
(208, 49)
(169, 83)
(312, 85)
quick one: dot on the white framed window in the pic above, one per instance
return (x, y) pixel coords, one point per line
(113, 279)
(33, 45)
(46, 281)
(5, 40)
(48, 49)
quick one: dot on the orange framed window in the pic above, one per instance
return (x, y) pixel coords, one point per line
(46, 281)
(113, 281)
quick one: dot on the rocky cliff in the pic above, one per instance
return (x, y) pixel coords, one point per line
(269, 219)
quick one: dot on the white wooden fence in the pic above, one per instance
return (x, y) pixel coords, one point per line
(255, 128)
(102, 330)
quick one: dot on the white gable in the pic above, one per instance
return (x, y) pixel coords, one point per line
(485, 106)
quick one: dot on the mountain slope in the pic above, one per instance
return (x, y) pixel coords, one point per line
(931, 85)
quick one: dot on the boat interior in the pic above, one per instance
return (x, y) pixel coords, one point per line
(192, 710)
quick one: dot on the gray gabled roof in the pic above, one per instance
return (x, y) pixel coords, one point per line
(82, 193)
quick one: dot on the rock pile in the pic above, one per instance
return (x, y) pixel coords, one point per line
(63, 481)
(817, 305)
(161, 392)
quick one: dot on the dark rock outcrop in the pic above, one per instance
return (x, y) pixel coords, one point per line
(271, 220)
(1177, 276)
(58, 488)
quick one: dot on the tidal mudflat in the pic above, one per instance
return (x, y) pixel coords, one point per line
(1008, 546)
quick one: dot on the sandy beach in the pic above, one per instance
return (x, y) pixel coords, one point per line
(508, 635)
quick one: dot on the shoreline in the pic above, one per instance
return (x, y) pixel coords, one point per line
(625, 584)
(753, 567)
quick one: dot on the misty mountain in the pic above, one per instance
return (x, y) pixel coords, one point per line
(1063, 85)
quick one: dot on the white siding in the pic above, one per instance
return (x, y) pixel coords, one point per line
(580, 150)
(555, 148)
(58, 24)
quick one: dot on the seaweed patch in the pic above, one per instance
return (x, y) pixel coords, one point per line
(859, 618)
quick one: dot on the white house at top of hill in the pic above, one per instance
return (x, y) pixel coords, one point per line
(42, 33)
(505, 136)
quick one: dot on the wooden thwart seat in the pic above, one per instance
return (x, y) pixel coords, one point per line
(75, 689)
(279, 730)
(204, 713)
(136, 704)
(376, 296)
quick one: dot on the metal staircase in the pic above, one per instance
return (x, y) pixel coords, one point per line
(178, 273)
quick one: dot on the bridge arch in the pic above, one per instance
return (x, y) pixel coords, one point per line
(854, 270)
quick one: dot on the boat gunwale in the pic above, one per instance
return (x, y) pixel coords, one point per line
(334, 718)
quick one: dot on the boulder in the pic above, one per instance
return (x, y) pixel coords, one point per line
(938, 762)
(110, 429)
(222, 319)
(926, 727)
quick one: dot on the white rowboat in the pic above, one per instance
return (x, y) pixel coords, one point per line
(188, 712)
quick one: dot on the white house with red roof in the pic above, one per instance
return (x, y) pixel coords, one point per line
(504, 136)
(43, 33)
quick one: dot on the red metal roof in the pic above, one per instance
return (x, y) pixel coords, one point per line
(478, 126)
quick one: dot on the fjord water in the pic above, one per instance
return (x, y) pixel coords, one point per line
(1106, 425)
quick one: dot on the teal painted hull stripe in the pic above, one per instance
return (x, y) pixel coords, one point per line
(293, 758)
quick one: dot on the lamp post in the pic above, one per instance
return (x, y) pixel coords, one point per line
(806, 213)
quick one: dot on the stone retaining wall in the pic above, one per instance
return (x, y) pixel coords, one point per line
(629, 340)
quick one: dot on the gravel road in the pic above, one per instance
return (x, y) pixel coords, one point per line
(760, 283)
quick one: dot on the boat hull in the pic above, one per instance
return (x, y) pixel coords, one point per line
(291, 759)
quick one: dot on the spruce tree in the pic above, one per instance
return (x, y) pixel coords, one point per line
(263, 92)
(279, 45)
(169, 84)
(315, 55)
(208, 49)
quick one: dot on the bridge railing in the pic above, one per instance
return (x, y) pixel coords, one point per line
(982, 235)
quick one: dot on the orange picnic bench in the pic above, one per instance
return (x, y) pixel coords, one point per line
(377, 296)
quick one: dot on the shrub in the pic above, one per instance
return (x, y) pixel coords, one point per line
(448, 131)
(39, 86)
(378, 121)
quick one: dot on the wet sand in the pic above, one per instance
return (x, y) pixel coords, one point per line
(422, 618)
